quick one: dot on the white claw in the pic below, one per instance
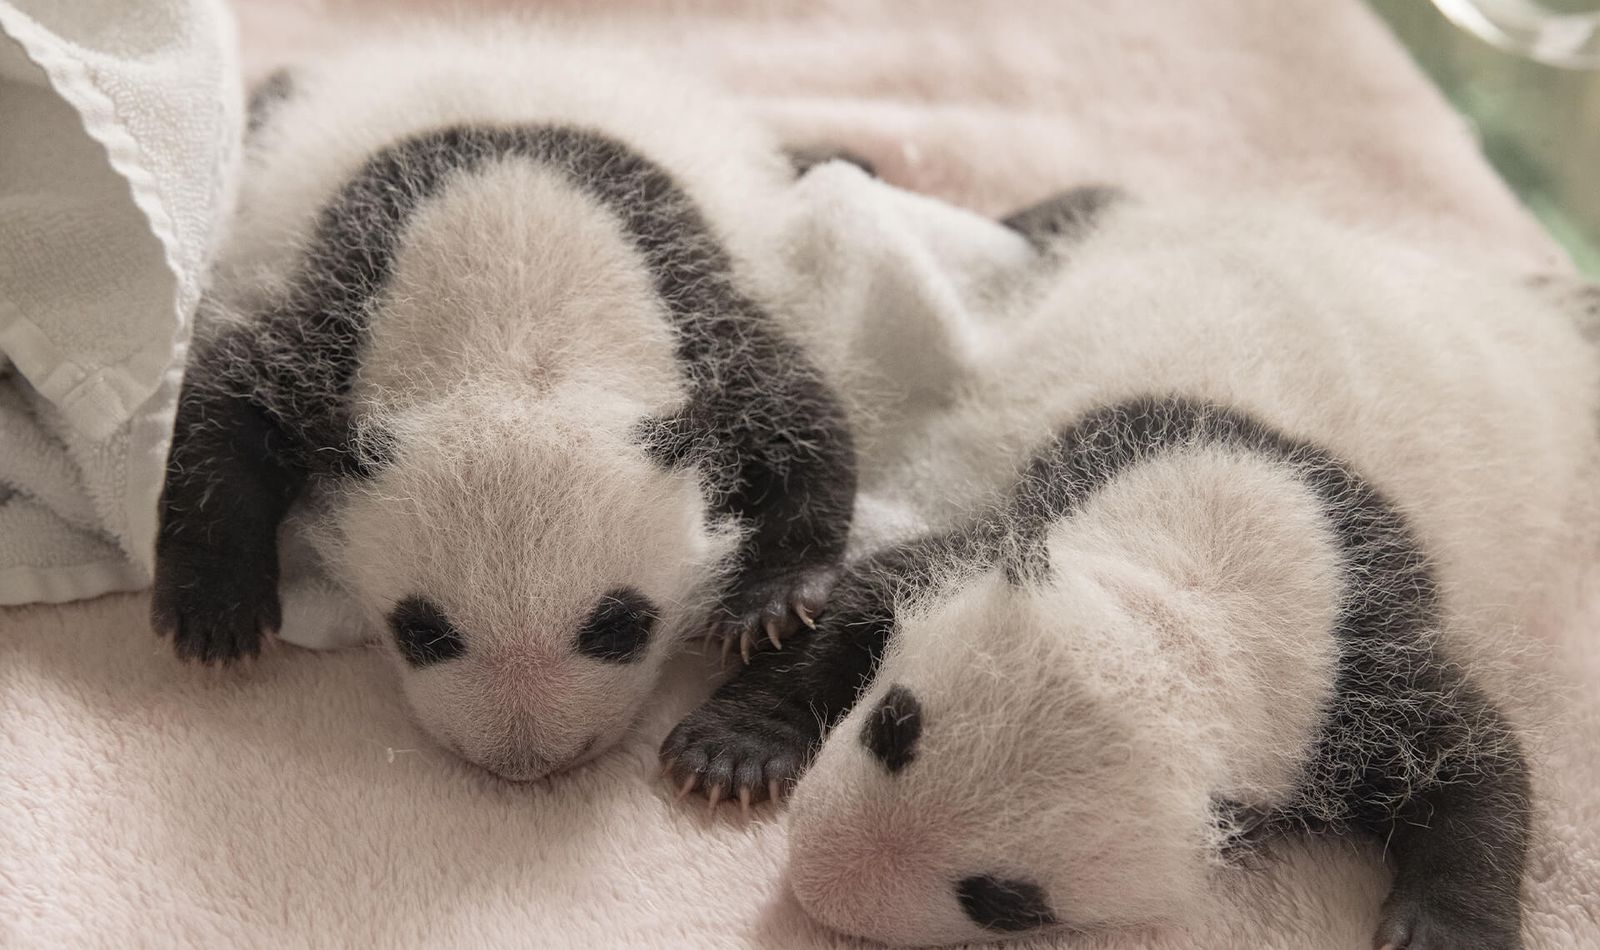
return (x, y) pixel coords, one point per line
(712, 797)
(744, 801)
(744, 646)
(805, 616)
(773, 789)
(772, 635)
(727, 646)
(688, 786)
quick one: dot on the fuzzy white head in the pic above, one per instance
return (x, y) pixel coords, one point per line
(531, 573)
(1069, 751)
(1029, 771)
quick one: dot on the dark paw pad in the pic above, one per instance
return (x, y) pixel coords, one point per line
(770, 609)
(216, 611)
(1418, 924)
(728, 753)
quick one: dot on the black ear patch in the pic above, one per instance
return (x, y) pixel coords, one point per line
(803, 158)
(425, 635)
(265, 97)
(1003, 905)
(893, 728)
(618, 629)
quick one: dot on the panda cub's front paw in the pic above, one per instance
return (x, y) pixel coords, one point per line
(216, 608)
(729, 750)
(770, 608)
(1425, 922)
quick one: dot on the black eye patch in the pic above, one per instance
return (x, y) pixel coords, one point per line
(424, 634)
(1003, 905)
(893, 728)
(618, 629)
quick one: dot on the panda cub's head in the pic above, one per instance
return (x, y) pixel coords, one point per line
(531, 572)
(1004, 775)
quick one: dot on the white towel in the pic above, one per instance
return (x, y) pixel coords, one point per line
(119, 132)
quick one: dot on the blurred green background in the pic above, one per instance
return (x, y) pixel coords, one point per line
(1539, 125)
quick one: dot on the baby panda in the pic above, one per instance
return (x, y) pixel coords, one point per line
(1289, 489)
(491, 322)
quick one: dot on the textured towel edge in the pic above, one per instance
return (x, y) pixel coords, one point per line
(121, 389)
(59, 585)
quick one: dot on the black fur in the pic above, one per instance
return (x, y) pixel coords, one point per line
(1458, 838)
(892, 731)
(1067, 215)
(216, 584)
(618, 629)
(1005, 906)
(423, 632)
(265, 97)
(766, 723)
(771, 434)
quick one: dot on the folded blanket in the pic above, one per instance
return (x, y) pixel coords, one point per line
(118, 132)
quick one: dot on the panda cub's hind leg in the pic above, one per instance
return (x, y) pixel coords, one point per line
(1459, 852)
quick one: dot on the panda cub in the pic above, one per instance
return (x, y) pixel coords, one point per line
(1288, 489)
(491, 322)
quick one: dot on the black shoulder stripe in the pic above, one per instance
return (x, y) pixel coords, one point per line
(355, 242)
(1402, 711)
(1374, 535)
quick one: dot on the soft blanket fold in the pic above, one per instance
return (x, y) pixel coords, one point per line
(118, 132)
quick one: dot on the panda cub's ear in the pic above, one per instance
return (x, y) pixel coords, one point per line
(893, 728)
(1063, 217)
(265, 98)
(1578, 298)
(803, 158)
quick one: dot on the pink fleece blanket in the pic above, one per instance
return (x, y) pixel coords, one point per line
(291, 803)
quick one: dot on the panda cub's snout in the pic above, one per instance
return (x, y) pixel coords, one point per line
(525, 708)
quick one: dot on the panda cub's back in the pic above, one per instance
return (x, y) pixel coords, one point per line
(478, 296)
(1450, 390)
(335, 113)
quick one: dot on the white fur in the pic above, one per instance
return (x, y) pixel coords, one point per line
(517, 345)
(1075, 731)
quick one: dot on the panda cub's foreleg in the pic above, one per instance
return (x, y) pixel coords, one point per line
(227, 489)
(760, 730)
(1458, 851)
(796, 501)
